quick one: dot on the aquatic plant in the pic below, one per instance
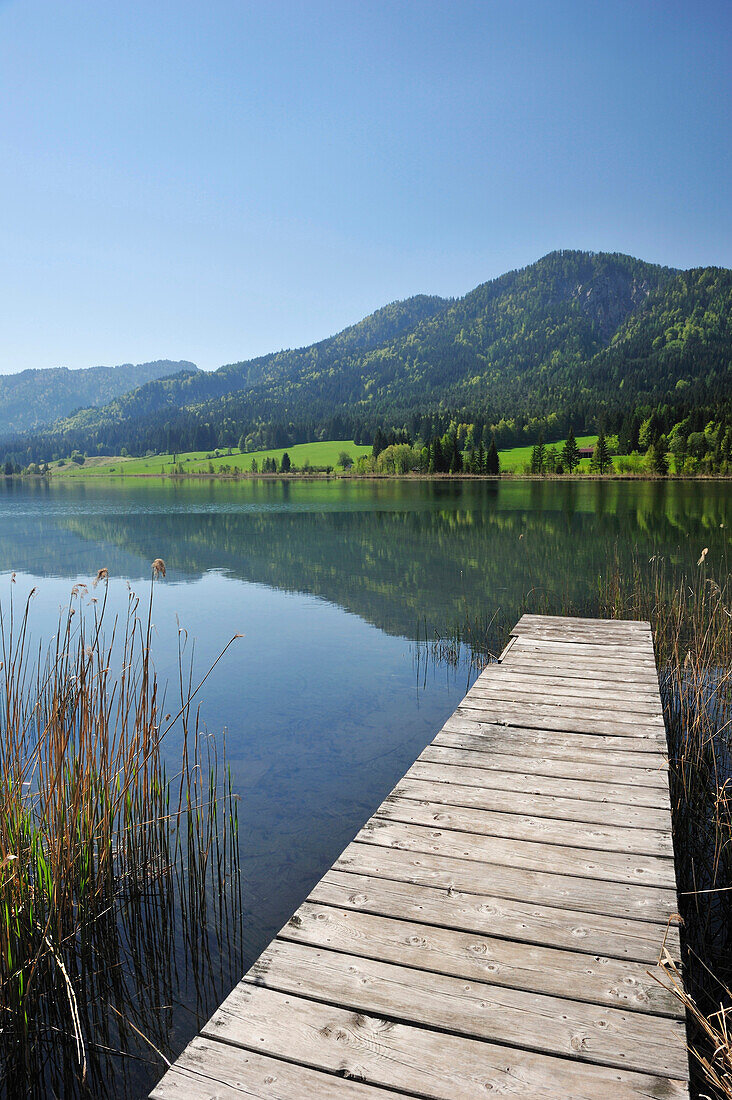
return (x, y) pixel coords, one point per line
(105, 860)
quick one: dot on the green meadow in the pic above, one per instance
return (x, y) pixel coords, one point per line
(513, 460)
(195, 462)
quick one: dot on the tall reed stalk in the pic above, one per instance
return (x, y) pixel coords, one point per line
(104, 858)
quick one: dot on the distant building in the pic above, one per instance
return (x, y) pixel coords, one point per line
(586, 452)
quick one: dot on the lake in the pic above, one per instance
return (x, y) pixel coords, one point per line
(331, 692)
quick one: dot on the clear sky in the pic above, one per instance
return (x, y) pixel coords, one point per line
(213, 180)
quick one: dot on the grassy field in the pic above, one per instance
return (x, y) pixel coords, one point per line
(513, 460)
(317, 454)
(516, 458)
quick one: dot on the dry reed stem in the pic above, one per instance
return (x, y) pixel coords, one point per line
(98, 851)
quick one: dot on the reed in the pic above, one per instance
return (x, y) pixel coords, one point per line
(105, 860)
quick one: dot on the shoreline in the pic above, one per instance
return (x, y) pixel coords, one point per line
(315, 476)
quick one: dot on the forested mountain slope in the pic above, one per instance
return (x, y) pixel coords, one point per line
(679, 342)
(195, 389)
(575, 338)
(33, 398)
(519, 342)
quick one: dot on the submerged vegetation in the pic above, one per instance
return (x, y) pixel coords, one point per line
(106, 860)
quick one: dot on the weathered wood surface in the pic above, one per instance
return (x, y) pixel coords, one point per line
(494, 740)
(541, 805)
(521, 783)
(495, 926)
(596, 772)
(523, 827)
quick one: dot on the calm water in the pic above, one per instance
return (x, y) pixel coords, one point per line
(327, 699)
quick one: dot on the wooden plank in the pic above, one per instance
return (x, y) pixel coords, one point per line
(552, 1025)
(496, 703)
(571, 623)
(539, 805)
(620, 668)
(522, 921)
(595, 668)
(562, 720)
(561, 860)
(538, 739)
(501, 678)
(564, 656)
(544, 765)
(648, 903)
(485, 738)
(553, 680)
(569, 664)
(521, 826)
(594, 637)
(436, 1065)
(519, 694)
(516, 687)
(486, 689)
(635, 656)
(637, 653)
(211, 1070)
(578, 703)
(578, 670)
(619, 794)
(598, 980)
(622, 646)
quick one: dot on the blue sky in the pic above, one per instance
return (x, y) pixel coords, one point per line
(213, 181)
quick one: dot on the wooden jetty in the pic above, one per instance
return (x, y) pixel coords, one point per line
(495, 927)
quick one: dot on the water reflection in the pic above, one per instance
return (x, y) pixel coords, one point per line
(402, 555)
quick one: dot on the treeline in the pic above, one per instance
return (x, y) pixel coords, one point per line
(698, 444)
(473, 426)
(395, 453)
(697, 437)
(691, 445)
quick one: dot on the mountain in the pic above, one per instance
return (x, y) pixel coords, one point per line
(195, 389)
(33, 398)
(575, 338)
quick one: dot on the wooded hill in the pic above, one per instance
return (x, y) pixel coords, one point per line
(33, 398)
(576, 338)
